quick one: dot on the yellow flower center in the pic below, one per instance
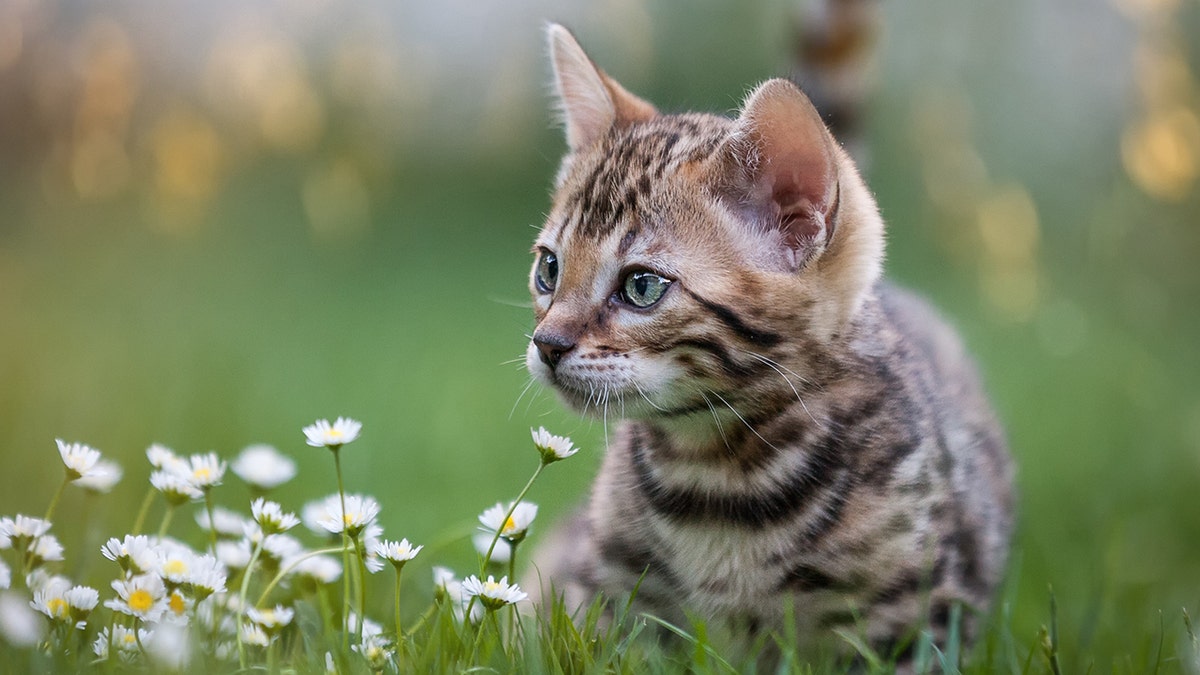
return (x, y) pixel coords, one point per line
(129, 638)
(176, 604)
(335, 433)
(202, 474)
(174, 568)
(267, 616)
(349, 518)
(58, 608)
(509, 525)
(140, 600)
(491, 586)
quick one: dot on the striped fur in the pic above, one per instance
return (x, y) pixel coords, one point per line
(795, 432)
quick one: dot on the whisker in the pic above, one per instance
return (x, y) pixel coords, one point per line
(773, 365)
(643, 394)
(717, 419)
(517, 402)
(743, 419)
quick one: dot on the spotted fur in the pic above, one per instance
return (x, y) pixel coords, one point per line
(796, 433)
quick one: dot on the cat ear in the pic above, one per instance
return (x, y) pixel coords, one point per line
(785, 168)
(591, 102)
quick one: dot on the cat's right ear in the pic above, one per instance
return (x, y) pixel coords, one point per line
(590, 102)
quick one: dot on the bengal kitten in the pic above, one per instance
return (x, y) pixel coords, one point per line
(796, 432)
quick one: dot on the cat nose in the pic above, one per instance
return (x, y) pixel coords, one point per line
(552, 347)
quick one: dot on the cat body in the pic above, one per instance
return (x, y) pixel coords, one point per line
(799, 437)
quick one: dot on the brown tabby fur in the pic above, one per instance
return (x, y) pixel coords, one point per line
(795, 431)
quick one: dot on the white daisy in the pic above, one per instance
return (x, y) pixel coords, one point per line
(253, 634)
(272, 619)
(395, 552)
(176, 488)
(45, 549)
(552, 448)
(124, 639)
(321, 569)
(234, 555)
(501, 553)
(207, 470)
(514, 527)
(40, 579)
(20, 625)
(21, 530)
(376, 649)
(493, 594)
(264, 467)
(53, 603)
(271, 518)
(133, 553)
(179, 605)
(82, 600)
(78, 458)
(360, 511)
(208, 576)
(280, 547)
(322, 434)
(447, 587)
(163, 458)
(369, 627)
(170, 647)
(5, 575)
(143, 596)
(227, 522)
(102, 478)
(175, 565)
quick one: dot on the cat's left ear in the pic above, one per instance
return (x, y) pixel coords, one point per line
(591, 101)
(783, 171)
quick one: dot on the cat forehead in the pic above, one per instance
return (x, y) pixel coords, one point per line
(610, 185)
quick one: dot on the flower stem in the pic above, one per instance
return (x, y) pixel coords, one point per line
(511, 509)
(212, 522)
(292, 563)
(145, 509)
(242, 596)
(399, 631)
(362, 589)
(337, 465)
(54, 501)
(166, 521)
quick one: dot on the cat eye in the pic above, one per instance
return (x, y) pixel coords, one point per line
(643, 289)
(545, 276)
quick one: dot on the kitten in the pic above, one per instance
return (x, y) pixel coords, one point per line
(796, 432)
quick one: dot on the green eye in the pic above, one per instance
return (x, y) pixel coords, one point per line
(545, 275)
(643, 289)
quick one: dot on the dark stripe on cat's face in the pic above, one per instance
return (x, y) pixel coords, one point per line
(731, 320)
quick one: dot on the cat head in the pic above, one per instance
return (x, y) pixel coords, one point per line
(688, 258)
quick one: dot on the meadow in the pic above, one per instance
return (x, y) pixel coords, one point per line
(230, 273)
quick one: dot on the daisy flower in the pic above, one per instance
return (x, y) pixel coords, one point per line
(5, 575)
(206, 471)
(45, 549)
(396, 553)
(322, 434)
(102, 478)
(271, 518)
(234, 555)
(360, 511)
(175, 565)
(142, 596)
(448, 587)
(21, 530)
(501, 553)
(134, 553)
(170, 647)
(228, 523)
(272, 619)
(52, 602)
(253, 634)
(20, 625)
(207, 577)
(491, 593)
(176, 488)
(321, 569)
(163, 458)
(514, 527)
(551, 447)
(264, 467)
(79, 459)
(124, 639)
(369, 627)
(81, 600)
(376, 649)
(280, 547)
(178, 606)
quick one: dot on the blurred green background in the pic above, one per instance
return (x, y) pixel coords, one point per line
(223, 220)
